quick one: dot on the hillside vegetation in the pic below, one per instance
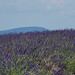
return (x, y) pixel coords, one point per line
(38, 53)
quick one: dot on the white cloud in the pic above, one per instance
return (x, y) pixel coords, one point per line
(46, 4)
(57, 3)
(60, 7)
(11, 4)
(64, 6)
(24, 4)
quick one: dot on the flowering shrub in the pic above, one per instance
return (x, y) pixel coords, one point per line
(38, 53)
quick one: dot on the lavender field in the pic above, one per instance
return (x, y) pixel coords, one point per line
(38, 53)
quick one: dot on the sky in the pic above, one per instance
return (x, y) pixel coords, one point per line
(50, 14)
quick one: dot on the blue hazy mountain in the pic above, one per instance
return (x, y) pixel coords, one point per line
(23, 30)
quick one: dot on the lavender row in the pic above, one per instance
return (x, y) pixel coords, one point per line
(38, 53)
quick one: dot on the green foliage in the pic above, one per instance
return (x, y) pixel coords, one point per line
(40, 53)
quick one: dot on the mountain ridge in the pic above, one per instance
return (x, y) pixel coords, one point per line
(23, 30)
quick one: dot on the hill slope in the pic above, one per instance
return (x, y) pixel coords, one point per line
(23, 30)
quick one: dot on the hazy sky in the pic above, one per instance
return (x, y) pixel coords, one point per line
(51, 14)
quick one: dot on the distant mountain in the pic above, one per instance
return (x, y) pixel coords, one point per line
(23, 30)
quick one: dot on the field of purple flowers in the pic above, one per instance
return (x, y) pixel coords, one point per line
(38, 53)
